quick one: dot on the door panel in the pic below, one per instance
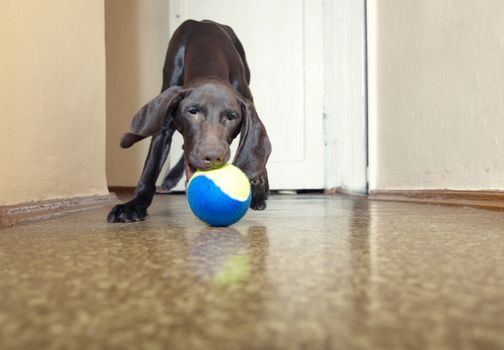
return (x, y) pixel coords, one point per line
(283, 44)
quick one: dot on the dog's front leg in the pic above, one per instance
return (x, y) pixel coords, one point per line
(136, 208)
(260, 190)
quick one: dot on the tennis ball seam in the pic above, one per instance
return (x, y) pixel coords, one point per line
(239, 191)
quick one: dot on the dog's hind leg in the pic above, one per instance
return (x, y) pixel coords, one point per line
(173, 176)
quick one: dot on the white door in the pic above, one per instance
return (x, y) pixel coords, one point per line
(283, 43)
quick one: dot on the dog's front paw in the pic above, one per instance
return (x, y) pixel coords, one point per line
(168, 184)
(127, 213)
(260, 191)
(258, 204)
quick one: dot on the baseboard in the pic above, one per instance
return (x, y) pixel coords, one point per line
(127, 191)
(121, 189)
(41, 210)
(345, 191)
(476, 199)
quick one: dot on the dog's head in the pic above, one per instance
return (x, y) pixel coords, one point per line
(209, 114)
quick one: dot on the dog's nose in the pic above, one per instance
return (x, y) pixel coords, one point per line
(213, 159)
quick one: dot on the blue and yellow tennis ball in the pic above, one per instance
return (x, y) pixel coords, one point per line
(219, 197)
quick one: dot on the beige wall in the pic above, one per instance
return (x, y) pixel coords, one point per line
(137, 35)
(52, 99)
(437, 94)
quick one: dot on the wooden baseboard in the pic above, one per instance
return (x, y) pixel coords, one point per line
(345, 191)
(477, 199)
(121, 189)
(34, 211)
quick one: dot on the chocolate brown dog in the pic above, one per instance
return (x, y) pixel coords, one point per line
(206, 97)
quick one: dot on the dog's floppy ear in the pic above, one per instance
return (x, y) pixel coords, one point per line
(153, 116)
(254, 147)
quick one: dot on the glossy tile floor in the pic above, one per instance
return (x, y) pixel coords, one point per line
(311, 272)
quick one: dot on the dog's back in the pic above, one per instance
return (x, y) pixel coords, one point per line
(206, 49)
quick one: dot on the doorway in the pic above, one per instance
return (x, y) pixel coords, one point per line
(307, 61)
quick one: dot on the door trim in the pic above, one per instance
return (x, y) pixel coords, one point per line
(345, 96)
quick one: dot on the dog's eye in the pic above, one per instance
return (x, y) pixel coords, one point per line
(193, 110)
(232, 116)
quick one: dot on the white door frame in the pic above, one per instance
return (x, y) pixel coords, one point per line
(371, 35)
(345, 95)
